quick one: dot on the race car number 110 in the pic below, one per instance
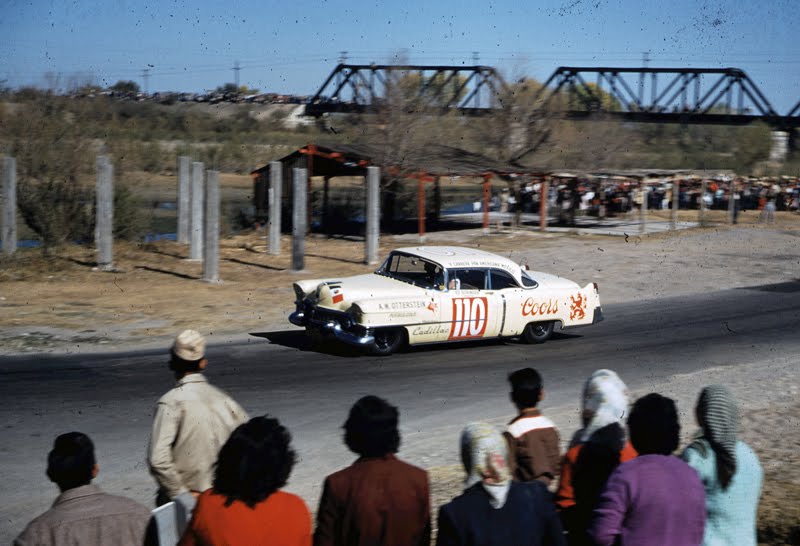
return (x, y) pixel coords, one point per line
(469, 318)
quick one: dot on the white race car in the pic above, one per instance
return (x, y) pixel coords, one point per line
(435, 294)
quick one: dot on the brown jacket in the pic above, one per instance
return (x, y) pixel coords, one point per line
(87, 516)
(533, 440)
(375, 502)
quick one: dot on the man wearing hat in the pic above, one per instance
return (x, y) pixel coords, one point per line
(193, 420)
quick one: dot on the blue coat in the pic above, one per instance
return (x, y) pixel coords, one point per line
(730, 513)
(528, 518)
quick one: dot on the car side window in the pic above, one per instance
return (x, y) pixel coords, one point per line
(527, 281)
(499, 280)
(467, 279)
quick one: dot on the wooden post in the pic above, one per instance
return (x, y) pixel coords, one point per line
(9, 234)
(211, 229)
(275, 197)
(487, 190)
(299, 198)
(421, 210)
(104, 226)
(373, 215)
(544, 190)
(184, 193)
(196, 222)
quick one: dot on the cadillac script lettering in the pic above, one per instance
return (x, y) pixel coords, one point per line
(435, 329)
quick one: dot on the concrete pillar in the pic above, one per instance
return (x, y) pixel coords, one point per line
(184, 198)
(104, 222)
(299, 198)
(196, 220)
(211, 228)
(780, 147)
(373, 215)
(275, 198)
(643, 207)
(676, 203)
(9, 234)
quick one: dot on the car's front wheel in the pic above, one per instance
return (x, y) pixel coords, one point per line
(387, 341)
(538, 332)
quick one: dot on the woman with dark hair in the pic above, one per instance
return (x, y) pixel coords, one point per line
(245, 505)
(378, 500)
(729, 469)
(595, 451)
(655, 499)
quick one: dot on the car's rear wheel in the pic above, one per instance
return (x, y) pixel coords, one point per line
(387, 341)
(538, 332)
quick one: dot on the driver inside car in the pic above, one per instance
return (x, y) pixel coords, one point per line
(434, 275)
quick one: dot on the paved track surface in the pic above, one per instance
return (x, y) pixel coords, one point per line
(437, 388)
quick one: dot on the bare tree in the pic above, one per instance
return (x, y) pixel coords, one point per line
(52, 156)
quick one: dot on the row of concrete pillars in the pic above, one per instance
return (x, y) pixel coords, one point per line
(203, 193)
(199, 212)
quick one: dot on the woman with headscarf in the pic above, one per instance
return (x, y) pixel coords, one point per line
(494, 510)
(595, 451)
(729, 469)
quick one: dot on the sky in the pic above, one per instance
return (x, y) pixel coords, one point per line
(291, 47)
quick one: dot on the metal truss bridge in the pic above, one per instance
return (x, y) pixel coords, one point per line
(724, 96)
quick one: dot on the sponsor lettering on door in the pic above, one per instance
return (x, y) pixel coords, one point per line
(469, 318)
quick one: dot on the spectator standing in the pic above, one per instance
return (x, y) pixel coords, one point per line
(655, 499)
(82, 513)
(595, 451)
(192, 421)
(532, 436)
(729, 469)
(378, 500)
(494, 510)
(245, 505)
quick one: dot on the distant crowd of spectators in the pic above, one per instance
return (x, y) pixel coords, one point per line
(610, 196)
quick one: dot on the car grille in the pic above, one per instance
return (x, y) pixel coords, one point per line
(326, 315)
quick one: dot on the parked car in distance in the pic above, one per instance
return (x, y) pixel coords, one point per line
(434, 294)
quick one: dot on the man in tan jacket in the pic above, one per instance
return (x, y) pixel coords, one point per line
(83, 513)
(193, 420)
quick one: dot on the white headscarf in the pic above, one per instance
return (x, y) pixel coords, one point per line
(605, 397)
(484, 453)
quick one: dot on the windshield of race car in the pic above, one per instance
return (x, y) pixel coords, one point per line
(413, 270)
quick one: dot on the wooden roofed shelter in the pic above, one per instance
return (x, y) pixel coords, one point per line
(426, 166)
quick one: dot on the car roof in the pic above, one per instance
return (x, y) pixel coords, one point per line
(458, 256)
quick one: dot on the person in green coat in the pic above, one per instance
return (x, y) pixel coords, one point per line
(729, 469)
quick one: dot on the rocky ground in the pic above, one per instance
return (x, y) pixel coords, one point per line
(62, 303)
